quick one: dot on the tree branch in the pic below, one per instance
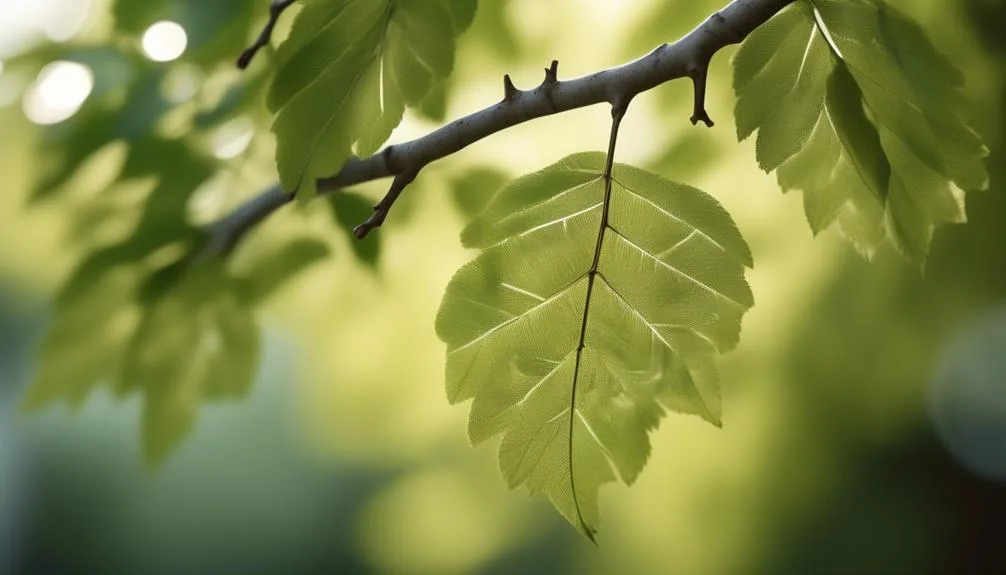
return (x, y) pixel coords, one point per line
(688, 57)
(276, 9)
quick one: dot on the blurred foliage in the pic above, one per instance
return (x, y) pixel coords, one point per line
(344, 456)
(348, 210)
(868, 121)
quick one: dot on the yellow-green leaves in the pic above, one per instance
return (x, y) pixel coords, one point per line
(854, 106)
(159, 325)
(346, 73)
(667, 296)
(197, 342)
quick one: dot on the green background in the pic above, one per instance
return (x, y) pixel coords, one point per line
(864, 419)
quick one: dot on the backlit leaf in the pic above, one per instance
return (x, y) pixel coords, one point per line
(346, 73)
(855, 107)
(572, 364)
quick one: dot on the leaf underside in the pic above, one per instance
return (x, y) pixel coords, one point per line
(346, 73)
(668, 295)
(854, 106)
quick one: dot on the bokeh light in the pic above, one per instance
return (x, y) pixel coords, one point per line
(58, 92)
(182, 83)
(68, 21)
(233, 138)
(164, 41)
(967, 399)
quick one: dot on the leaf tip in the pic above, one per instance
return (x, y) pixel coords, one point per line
(590, 533)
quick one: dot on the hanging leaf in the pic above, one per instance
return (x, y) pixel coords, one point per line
(855, 107)
(573, 337)
(346, 73)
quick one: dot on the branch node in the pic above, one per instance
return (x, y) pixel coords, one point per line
(510, 92)
(383, 207)
(699, 74)
(276, 9)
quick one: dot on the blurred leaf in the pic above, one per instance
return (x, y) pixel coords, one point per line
(84, 345)
(349, 211)
(346, 73)
(272, 271)
(177, 347)
(988, 19)
(574, 364)
(462, 13)
(666, 21)
(434, 107)
(126, 104)
(215, 29)
(69, 147)
(198, 341)
(494, 29)
(179, 170)
(473, 189)
(135, 17)
(239, 98)
(686, 156)
(855, 107)
(145, 105)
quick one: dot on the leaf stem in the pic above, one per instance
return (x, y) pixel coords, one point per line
(276, 9)
(617, 113)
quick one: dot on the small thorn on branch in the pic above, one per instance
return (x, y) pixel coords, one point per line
(698, 74)
(551, 75)
(276, 9)
(383, 207)
(510, 92)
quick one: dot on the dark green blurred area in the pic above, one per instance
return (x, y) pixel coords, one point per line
(865, 434)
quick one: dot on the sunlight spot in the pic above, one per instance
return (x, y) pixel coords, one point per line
(233, 138)
(208, 202)
(67, 21)
(182, 83)
(58, 92)
(164, 41)
(11, 87)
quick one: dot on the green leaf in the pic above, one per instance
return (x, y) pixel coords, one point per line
(176, 341)
(198, 341)
(84, 345)
(346, 73)
(855, 107)
(473, 189)
(574, 364)
(271, 272)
